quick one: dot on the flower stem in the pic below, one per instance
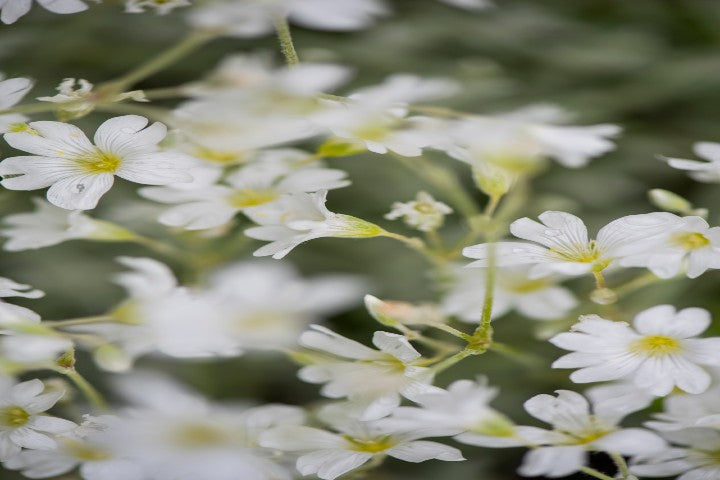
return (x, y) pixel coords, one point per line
(166, 58)
(79, 321)
(484, 331)
(594, 473)
(31, 108)
(450, 361)
(621, 464)
(92, 395)
(286, 43)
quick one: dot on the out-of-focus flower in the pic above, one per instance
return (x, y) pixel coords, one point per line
(253, 18)
(297, 218)
(273, 173)
(540, 298)
(424, 213)
(12, 90)
(76, 102)
(659, 351)
(78, 172)
(564, 245)
(709, 171)
(50, 225)
(161, 7)
(696, 459)
(11, 10)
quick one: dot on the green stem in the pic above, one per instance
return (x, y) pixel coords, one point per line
(166, 58)
(157, 246)
(417, 245)
(594, 473)
(286, 43)
(484, 331)
(450, 361)
(79, 321)
(31, 108)
(91, 394)
(636, 284)
(620, 463)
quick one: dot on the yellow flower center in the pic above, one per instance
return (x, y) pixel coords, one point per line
(690, 240)
(370, 446)
(198, 435)
(101, 162)
(85, 451)
(656, 346)
(248, 197)
(521, 285)
(373, 132)
(218, 156)
(21, 127)
(578, 252)
(13, 416)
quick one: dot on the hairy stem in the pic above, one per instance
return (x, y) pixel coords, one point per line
(286, 43)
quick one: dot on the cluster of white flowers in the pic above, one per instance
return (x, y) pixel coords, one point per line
(252, 148)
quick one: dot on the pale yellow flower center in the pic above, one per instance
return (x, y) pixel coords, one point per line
(84, 451)
(21, 127)
(690, 240)
(656, 346)
(374, 445)
(248, 197)
(101, 162)
(13, 416)
(198, 435)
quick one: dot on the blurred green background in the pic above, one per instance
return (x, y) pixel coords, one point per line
(652, 66)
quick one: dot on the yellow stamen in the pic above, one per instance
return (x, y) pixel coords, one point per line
(656, 346)
(690, 240)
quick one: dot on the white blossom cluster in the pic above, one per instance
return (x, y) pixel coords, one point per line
(248, 154)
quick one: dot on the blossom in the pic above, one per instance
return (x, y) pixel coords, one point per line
(579, 427)
(272, 174)
(161, 7)
(372, 380)
(682, 410)
(689, 242)
(299, 217)
(464, 411)
(78, 172)
(22, 424)
(12, 90)
(709, 171)
(330, 455)
(564, 246)
(253, 18)
(49, 225)
(519, 141)
(658, 351)
(11, 10)
(540, 298)
(424, 213)
(77, 101)
(696, 459)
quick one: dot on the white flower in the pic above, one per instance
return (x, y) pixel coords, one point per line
(88, 446)
(659, 351)
(577, 429)
(424, 213)
(701, 171)
(372, 380)
(22, 423)
(518, 141)
(272, 174)
(49, 225)
(297, 218)
(696, 460)
(564, 245)
(330, 455)
(78, 172)
(541, 298)
(161, 7)
(252, 18)
(464, 411)
(175, 434)
(10, 288)
(682, 410)
(689, 242)
(12, 90)
(472, 5)
(11, 10)
(257, 318)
